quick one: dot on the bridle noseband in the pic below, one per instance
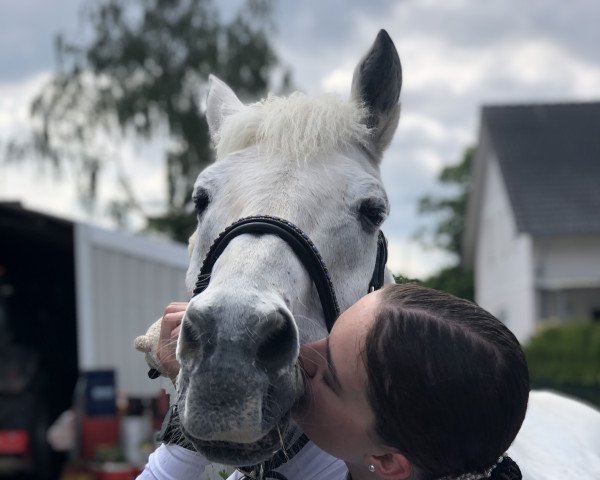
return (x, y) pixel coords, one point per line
(303, 248)
(309, 256)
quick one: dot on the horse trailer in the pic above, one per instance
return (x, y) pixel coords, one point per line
(72, 298)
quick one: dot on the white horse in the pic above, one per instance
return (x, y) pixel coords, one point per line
(315, 163)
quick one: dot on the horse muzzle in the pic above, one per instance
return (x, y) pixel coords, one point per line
(239, 372)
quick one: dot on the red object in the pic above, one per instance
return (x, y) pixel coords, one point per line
(160, 408)
(76, 472)
(116, 472)
(98, 432)
(14, 442)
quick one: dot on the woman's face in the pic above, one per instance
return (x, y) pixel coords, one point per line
(335, 413)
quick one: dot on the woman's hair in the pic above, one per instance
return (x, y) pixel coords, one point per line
(448, 382)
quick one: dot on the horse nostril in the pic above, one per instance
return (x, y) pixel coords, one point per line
(188, 340)
(280, 345)
(198, 328)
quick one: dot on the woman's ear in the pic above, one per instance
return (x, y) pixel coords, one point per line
(392, 466)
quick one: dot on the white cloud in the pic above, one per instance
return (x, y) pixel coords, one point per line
(456, 55)
(38, 186)
(414, 123)
(429, 158)
(15, 98)
(338, 81)
(39, 189)
(35, 185)
(542, 63)
(430, 63)
(409, 258)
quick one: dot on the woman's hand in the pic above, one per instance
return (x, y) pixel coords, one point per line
(169, 333)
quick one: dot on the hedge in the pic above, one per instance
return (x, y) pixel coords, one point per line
(567, 358)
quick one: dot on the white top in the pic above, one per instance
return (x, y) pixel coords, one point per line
(172, 462)
(560, 438)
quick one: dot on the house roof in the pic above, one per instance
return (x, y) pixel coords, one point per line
(549, 158)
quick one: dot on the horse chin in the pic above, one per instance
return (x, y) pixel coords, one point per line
(243, 454)
(281, 434)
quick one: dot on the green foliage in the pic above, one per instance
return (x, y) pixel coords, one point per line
(399, 278)
(567, 358)
(450, 209)
(142, 73)
(566, 354)
(454, 280)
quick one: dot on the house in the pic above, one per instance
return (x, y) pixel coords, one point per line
(532, 228)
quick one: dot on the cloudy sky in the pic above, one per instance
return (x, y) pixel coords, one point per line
(457, 55)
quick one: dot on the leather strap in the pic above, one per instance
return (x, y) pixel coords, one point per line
(298, 241)
(378, 277)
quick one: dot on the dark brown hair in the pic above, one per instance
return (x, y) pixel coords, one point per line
(447, 381)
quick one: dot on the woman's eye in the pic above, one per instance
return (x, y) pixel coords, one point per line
(326, 381)
(201, 200)
(372, 213)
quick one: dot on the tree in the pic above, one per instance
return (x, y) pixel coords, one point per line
(455, 280)
(448, 231)
(141, 73)
(451, 209)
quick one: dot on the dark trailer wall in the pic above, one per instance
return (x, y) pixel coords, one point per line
(38, 303)
(77, 295)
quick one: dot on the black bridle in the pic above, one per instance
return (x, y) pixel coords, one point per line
(304, 249)
(309, 256)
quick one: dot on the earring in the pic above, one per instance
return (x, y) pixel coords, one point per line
(371, 468)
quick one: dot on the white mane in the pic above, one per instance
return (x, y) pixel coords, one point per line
(295, 127)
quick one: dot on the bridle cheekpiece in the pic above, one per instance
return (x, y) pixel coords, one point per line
(304, 249)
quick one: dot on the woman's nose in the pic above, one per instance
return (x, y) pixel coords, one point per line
(312, 355)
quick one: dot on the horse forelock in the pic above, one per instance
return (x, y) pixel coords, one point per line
(295, 127)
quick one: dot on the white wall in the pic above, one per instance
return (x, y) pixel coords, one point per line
(504, 283)
(123, 284)
(567, 270)
(571, 261)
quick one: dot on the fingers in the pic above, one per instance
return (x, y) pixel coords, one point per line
(170, 322)
(175, 332)
(171, 319)
(175, 307)
(170, 327)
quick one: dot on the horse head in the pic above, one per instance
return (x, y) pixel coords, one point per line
(314, 163)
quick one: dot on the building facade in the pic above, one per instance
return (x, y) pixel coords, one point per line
(532, 233)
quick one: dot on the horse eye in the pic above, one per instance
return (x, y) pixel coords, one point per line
(372, 213)
(201, 200)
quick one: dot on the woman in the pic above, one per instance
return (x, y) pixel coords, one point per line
(411, 383)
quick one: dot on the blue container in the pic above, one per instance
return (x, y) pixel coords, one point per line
(100, 393)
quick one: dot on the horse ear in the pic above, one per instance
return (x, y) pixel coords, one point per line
(376, 84)
(220, 103)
